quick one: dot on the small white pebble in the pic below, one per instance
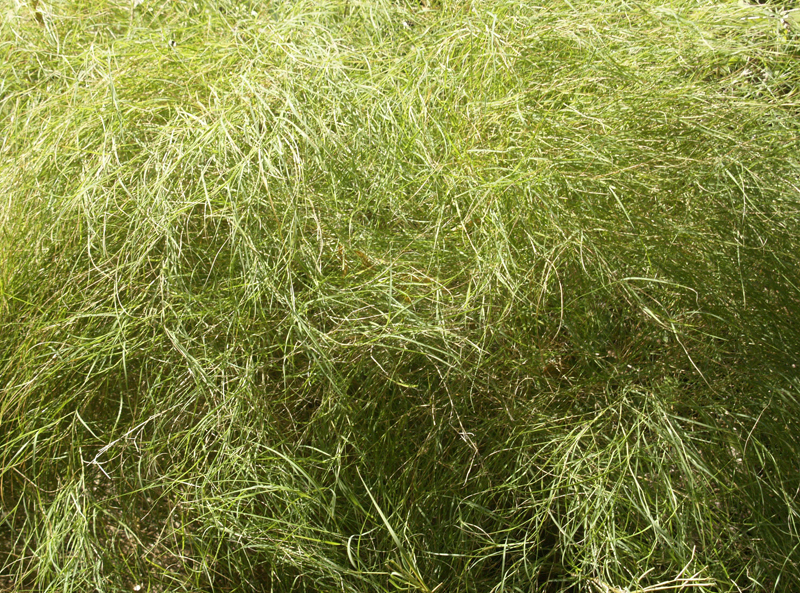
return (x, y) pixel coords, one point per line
(137, 587)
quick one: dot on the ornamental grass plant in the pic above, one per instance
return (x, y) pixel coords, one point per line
(372, 295)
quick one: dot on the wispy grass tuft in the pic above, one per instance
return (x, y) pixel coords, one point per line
(389, 295)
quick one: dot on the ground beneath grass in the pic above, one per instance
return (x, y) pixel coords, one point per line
(370, 295)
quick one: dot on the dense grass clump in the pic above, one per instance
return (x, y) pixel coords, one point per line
(372, 295)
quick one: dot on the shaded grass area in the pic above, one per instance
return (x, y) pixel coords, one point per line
(377, 296)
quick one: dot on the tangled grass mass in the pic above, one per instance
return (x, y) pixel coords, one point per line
(487, 296)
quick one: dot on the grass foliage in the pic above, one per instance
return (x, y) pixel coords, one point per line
(372, 295)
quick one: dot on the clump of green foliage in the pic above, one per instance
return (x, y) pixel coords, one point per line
(371, 295)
